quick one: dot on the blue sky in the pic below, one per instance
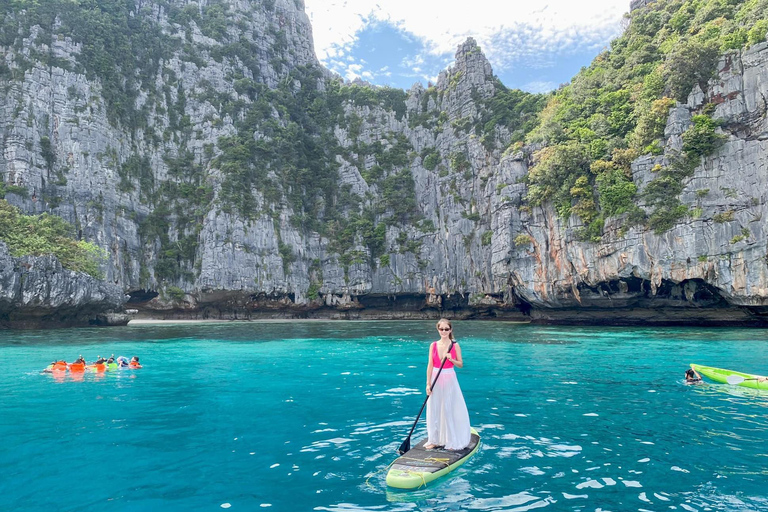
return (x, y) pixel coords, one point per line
(400, 42)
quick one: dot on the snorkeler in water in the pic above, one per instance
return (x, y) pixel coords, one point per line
(692, 376)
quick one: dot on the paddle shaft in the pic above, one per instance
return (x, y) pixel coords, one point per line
(407, 441)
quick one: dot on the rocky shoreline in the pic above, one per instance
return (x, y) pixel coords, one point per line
(659, 315)
(37, 292)
(626, 311)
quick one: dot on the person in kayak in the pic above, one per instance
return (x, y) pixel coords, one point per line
(447, 416)
(692, 376)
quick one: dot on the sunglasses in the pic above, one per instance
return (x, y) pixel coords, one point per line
(443, 328)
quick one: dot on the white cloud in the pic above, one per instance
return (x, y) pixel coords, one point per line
(353, 71)
(413, 61)
(506, 30)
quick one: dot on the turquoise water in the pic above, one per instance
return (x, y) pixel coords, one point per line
(307, 416)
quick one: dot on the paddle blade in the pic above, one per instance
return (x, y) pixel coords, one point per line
(735, 379)
(405, 446)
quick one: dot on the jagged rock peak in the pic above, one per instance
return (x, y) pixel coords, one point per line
(471, 68)
(360, 83)
(471, 61)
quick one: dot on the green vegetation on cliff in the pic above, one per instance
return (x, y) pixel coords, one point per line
(618, 106)
(284, 148)
(36, 235)
(511, 108)
(289, 131)
(285, 153)
(120, 48)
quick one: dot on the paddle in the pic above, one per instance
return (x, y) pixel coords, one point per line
(407, 443)
(738, 379)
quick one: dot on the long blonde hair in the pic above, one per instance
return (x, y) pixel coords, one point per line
(446, 321)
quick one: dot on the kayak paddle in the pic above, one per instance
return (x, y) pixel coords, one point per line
(407, 443)
(738, 379)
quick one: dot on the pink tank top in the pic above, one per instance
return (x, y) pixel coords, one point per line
(436, 361)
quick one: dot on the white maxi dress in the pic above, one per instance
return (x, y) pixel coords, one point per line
(447, 416)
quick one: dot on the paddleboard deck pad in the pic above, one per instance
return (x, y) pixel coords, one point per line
(721, 375)
(418, 466)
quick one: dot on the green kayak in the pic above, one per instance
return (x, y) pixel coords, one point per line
(720, 375)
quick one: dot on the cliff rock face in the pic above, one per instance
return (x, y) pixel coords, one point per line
(637, 4)
(36, 291)
(709, 268)
(414, 212)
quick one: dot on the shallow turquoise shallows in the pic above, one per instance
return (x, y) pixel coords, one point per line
(306, 416)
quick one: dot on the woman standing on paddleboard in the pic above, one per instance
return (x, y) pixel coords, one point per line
(447, 416)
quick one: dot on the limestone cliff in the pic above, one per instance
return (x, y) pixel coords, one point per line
(37, 291)
(242, 180)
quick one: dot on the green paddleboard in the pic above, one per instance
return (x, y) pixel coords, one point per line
(721, 375)
(417, 467)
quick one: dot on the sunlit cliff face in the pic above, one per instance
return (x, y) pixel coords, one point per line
(225, 173)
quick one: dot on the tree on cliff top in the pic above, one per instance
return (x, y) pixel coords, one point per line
(622, 100)
(36, 235)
